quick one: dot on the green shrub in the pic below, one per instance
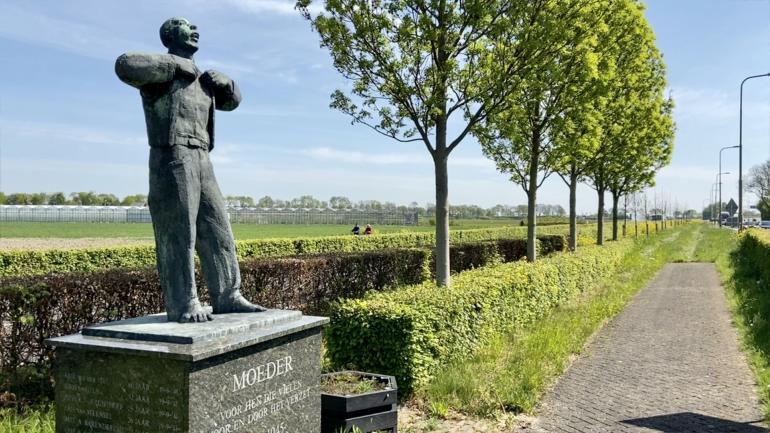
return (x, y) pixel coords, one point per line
(75, 260)
(35, 307)
(411, 331)
(552, 243)
(754, 251)
(16, 263)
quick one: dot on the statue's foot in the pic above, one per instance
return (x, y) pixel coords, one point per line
(237, 304)
(194, 313)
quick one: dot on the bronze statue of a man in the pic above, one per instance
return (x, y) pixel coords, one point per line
(187, 208)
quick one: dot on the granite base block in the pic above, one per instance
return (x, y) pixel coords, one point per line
(244, 373)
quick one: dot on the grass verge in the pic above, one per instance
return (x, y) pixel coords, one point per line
(31, 420)
(511, 372)
(749, 300)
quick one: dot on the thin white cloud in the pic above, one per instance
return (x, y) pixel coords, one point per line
(711, 104)
(704, 104)
(86, 40)
(284, 7)
(471, 162)
(69, 133)
(226, 67)
(265, 6)
(272, 111)
(687, 173)
(357, 157)
(72, 175)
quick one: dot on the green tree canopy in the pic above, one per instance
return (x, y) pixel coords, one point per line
(759, 184)
(519, 137)
(637, 128)
(417, 67)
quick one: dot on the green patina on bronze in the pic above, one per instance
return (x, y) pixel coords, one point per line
(187, 208)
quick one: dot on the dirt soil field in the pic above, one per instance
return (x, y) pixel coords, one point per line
(69, 243)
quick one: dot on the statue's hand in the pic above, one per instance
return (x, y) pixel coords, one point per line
(215, 79)
(186, 70)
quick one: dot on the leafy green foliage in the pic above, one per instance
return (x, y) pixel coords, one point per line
(637, 128)
(31, 420)
(747, 275)
(33, 308)
(759, 184)
(412, 331)
(753, 254)
(417, 65)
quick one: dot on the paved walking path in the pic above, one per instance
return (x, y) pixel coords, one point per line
(669, 363)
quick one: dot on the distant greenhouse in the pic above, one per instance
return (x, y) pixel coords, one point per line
(141, 214)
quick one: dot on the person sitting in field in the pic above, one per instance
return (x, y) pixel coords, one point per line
(356, 230)
(369, 230)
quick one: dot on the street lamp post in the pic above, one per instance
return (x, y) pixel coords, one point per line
(740, 151)
(720, 181)
(714, 195)
(719, 185)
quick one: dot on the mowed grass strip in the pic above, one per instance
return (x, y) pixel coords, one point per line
(240, 231)
(144, 230)
(512, 372)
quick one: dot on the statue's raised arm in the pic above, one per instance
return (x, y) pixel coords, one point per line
(139, 69)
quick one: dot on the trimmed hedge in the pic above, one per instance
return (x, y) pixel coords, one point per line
(15, 263)
(38, 307)
(754, 250)
(411, 331)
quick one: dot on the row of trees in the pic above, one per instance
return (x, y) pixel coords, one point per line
(76, 198)
(305, 201)
(574, 87)
(759, 184)
(342, 202)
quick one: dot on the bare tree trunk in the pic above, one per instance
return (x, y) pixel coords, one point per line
(573, 211)
(532, 215)
(440, 158)
(636, 224)
(615, 203)
(600, 218)
(442, 219)
(625, 215)
(532, 198)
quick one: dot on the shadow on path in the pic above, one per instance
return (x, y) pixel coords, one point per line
(694, 422)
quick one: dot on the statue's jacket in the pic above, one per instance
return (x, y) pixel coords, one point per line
(178, 110)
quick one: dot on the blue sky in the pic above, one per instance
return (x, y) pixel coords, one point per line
(68, 124)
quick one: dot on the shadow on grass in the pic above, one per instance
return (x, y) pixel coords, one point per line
(692, 422)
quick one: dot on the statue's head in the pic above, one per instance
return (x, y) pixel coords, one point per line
(178, 35)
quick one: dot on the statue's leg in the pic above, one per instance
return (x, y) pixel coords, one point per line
(173, 199)
(216, 247)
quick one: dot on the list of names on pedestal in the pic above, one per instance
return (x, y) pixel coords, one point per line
(125, 399)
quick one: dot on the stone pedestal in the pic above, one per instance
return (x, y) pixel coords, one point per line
(256, 372)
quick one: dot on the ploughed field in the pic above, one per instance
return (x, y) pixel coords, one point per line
(41, 235)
